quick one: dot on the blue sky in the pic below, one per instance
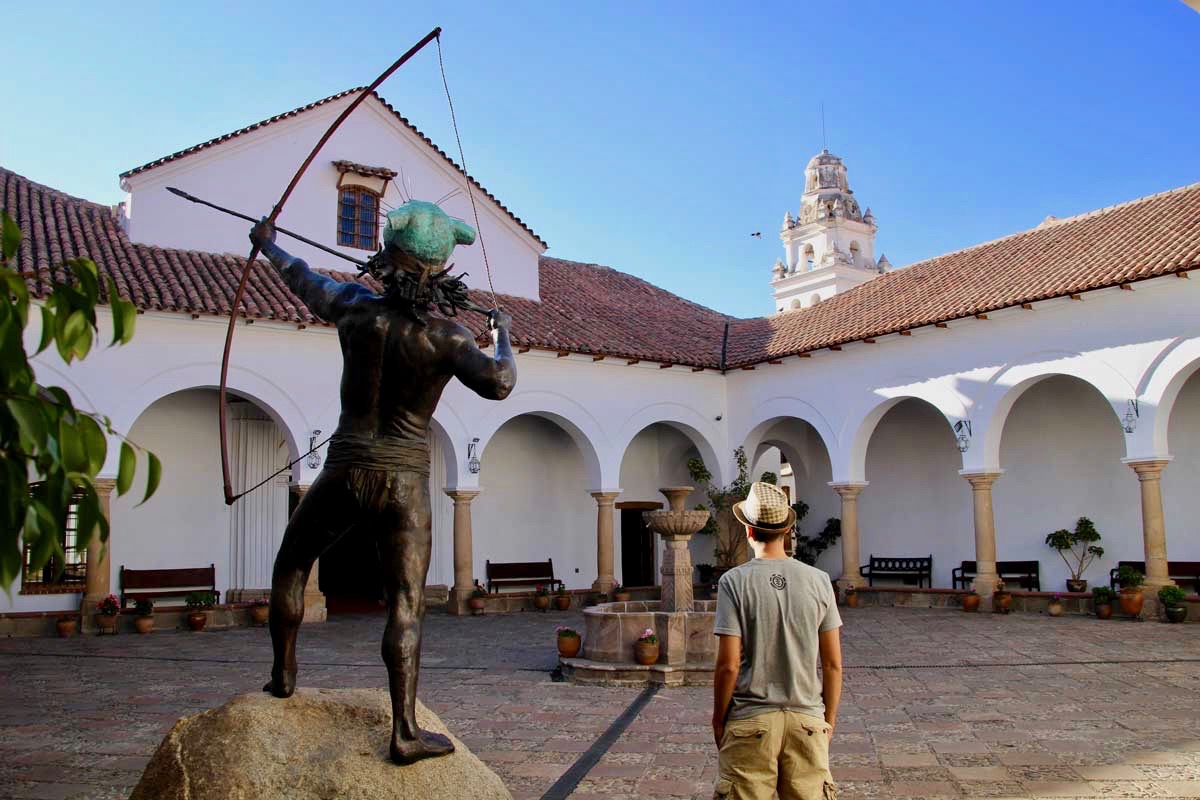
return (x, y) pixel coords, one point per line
(656, 137)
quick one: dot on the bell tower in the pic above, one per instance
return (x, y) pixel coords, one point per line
(829, 246)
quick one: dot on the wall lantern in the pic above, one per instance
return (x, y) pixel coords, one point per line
(1130, 420)
(314, 458)
(473, 456)
(963, 430)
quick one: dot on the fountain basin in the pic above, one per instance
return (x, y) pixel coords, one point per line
(687, 645)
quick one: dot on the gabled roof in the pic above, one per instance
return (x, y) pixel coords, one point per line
(295, 112)
(1141, 239)
(584, 308)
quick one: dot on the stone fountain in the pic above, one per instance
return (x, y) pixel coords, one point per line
(687, 646)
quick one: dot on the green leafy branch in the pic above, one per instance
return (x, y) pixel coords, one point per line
(53, 452)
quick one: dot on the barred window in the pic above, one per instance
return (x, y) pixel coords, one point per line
(72, 563)
(358, 219)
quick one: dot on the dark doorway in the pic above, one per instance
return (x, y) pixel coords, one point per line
(637, 545)
(350, 575)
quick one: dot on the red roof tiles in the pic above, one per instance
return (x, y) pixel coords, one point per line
(1144, 238)
(298, 111)
(584, 308)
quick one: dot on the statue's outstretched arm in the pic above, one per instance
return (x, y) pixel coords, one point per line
(324, 296)
(491, 378)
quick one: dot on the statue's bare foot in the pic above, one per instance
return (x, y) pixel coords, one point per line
(281, 685)
(426, 745)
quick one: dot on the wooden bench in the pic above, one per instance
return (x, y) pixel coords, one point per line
(137, 584)
(909, 569)
(1184, 573)
(1026, 574)
(521, 573)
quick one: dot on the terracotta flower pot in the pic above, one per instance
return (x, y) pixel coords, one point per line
(562, 602)
(568, 646)
(1131, 601)
(107, 623)
(645, 653)
(143, 625)
(541, 601)
(1054, 608)
(196, 620)
(852, 599)
(1002, 602)
(1076, 585)
(1175, 613)
(1104, 610)
(260, 615)
(476, 604)
(66, 626)
(970, 603)
(622, 597)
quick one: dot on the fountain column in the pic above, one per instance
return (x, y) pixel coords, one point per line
(676, 526)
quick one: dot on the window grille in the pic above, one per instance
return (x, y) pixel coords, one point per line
(72, 563)
(358, 219)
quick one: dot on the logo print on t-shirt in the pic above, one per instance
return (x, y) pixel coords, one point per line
(778, 581)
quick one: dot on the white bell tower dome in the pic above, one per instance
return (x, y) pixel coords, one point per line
(829, 246)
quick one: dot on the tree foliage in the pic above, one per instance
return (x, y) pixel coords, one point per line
(1080, 543)
(721, 522)
(53, 451)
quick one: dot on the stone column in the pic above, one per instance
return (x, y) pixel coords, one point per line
(314, 601)
(985, 531)
(99, 570)
(605, 575)
(1154, 534)
(851, 561)
(464, 564)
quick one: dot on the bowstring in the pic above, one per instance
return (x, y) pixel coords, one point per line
(462, 159)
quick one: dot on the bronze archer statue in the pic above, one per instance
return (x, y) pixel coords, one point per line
(396, 362)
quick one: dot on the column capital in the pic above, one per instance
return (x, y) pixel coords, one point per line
(849, 489)
(981, 480)
(606, 497)
(104, 486)
(1147, 469)
(462, 495)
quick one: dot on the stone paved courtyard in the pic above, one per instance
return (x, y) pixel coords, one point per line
(937, 704)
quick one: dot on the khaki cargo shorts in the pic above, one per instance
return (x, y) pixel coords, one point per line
(779, 751)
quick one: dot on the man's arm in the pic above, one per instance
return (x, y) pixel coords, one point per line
(729, 659)
(490, 378)
(324, 297)
(830, 645)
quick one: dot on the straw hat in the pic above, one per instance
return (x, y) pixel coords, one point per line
(766, 508)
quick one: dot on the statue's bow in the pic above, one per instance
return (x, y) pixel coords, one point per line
(238, 295)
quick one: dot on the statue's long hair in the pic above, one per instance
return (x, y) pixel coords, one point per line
(415, 285)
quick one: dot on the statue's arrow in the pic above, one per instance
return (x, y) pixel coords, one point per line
(192, 198)
(230, 497)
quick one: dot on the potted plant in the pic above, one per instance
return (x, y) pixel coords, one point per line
(645, 649)
(619, 594)
(1001, 599)
(106, 614)
(970, 601)
(1080, 544)
(66, 625)
(478, 599)
(198, 604)
(1130, 581)
(562, 600)
(1055, 607)
(144, 621)
(1172, 598)
(260, 611)
(852, 598)
(568, 641)
(1102, 598)
(541, 598)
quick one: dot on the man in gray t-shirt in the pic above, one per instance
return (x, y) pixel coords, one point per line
(777, 620)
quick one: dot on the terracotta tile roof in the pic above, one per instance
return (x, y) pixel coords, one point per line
(298, 111)
(363, 169)
(1141, 239)
(584, 308)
